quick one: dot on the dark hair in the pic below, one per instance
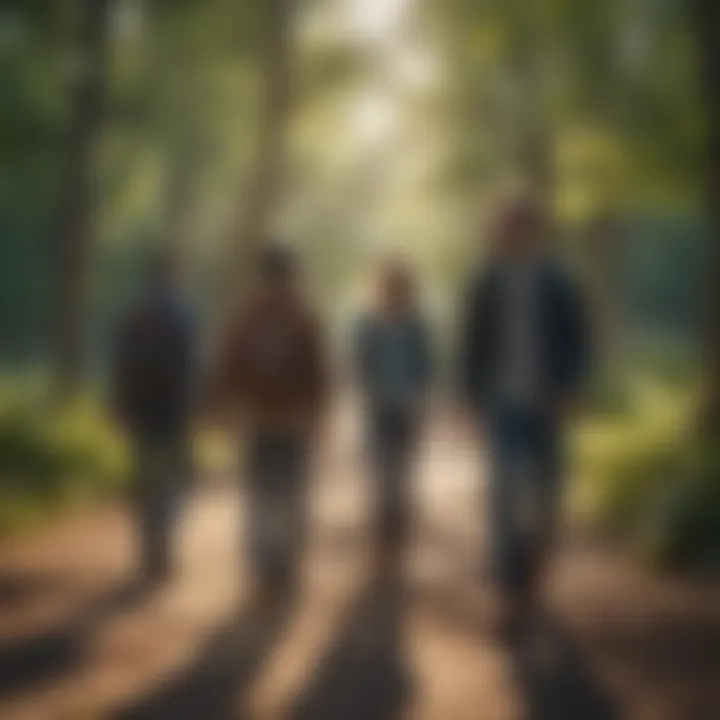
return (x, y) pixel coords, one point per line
(520, 213)
(397, 277)
(160, 264)
(277, 262)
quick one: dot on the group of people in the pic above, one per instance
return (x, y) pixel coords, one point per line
(523, 351)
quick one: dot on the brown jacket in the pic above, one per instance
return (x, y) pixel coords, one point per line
(273, 368)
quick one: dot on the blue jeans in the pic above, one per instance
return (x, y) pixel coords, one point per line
(277, 485)
(525, 486)
(391, 436)
(162, 472)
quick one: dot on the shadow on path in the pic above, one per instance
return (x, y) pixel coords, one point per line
(30, 661)
(211, 688)
(364, 675)
(554, 679)
(18, 588)
(671, 656)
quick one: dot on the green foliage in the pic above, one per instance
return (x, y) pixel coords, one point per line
(663, 256)
(626, 474)
(683, 527)
(666, 361)
(52, 458)
(644, 475)
(610, 397)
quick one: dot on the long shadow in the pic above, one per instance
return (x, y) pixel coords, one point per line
(211, 688)
(364, 675)
(18, 588)
(554, 678)
(29, 661)
(675, 656)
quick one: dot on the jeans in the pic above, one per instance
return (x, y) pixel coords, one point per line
(525, 486)
(276, 480)
(392, 440)
(162, 472)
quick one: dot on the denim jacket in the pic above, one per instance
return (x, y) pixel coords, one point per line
(393, 360)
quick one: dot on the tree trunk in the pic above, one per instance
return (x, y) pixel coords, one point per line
(707, 23)
(179, 199)
(77, 202)
(276, 57)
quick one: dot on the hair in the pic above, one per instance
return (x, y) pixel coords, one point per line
(522, 213)
(397, 275)
(160, 264)
(276, 261)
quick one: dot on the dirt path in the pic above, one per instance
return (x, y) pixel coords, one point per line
(78, 641)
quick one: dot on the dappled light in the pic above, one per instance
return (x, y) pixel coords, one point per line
(359, 359)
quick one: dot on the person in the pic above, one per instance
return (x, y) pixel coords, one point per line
(273, 372)
(394, 368)
(524, 356)
(154, 367)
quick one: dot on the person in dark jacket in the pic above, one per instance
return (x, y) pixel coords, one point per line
(154, 369)
(394, 369)
(524, 358)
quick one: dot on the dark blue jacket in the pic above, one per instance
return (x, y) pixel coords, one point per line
(155, 366)
(564, 336)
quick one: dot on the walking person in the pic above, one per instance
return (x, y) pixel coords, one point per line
(272, 373)
(524, 356)
(154, 367)
(394, 368)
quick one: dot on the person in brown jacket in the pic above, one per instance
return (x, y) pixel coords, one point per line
(273, 375)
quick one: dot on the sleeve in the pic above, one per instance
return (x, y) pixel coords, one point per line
(319, 365)
(426, 355)
(223, 380)
(471, 341)
(360, 351)
(578, 338)
(190, 351)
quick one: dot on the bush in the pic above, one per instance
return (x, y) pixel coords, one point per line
(609, 398)
(622, 456)
(644, 476)
(683, 526)
(50, 458)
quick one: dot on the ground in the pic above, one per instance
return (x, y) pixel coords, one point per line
(77, 640)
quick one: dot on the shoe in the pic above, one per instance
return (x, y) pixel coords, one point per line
(510, 619)
(155, 572)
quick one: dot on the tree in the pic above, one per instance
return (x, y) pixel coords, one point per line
(707, 22)
(77, 203)
(275, 47)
